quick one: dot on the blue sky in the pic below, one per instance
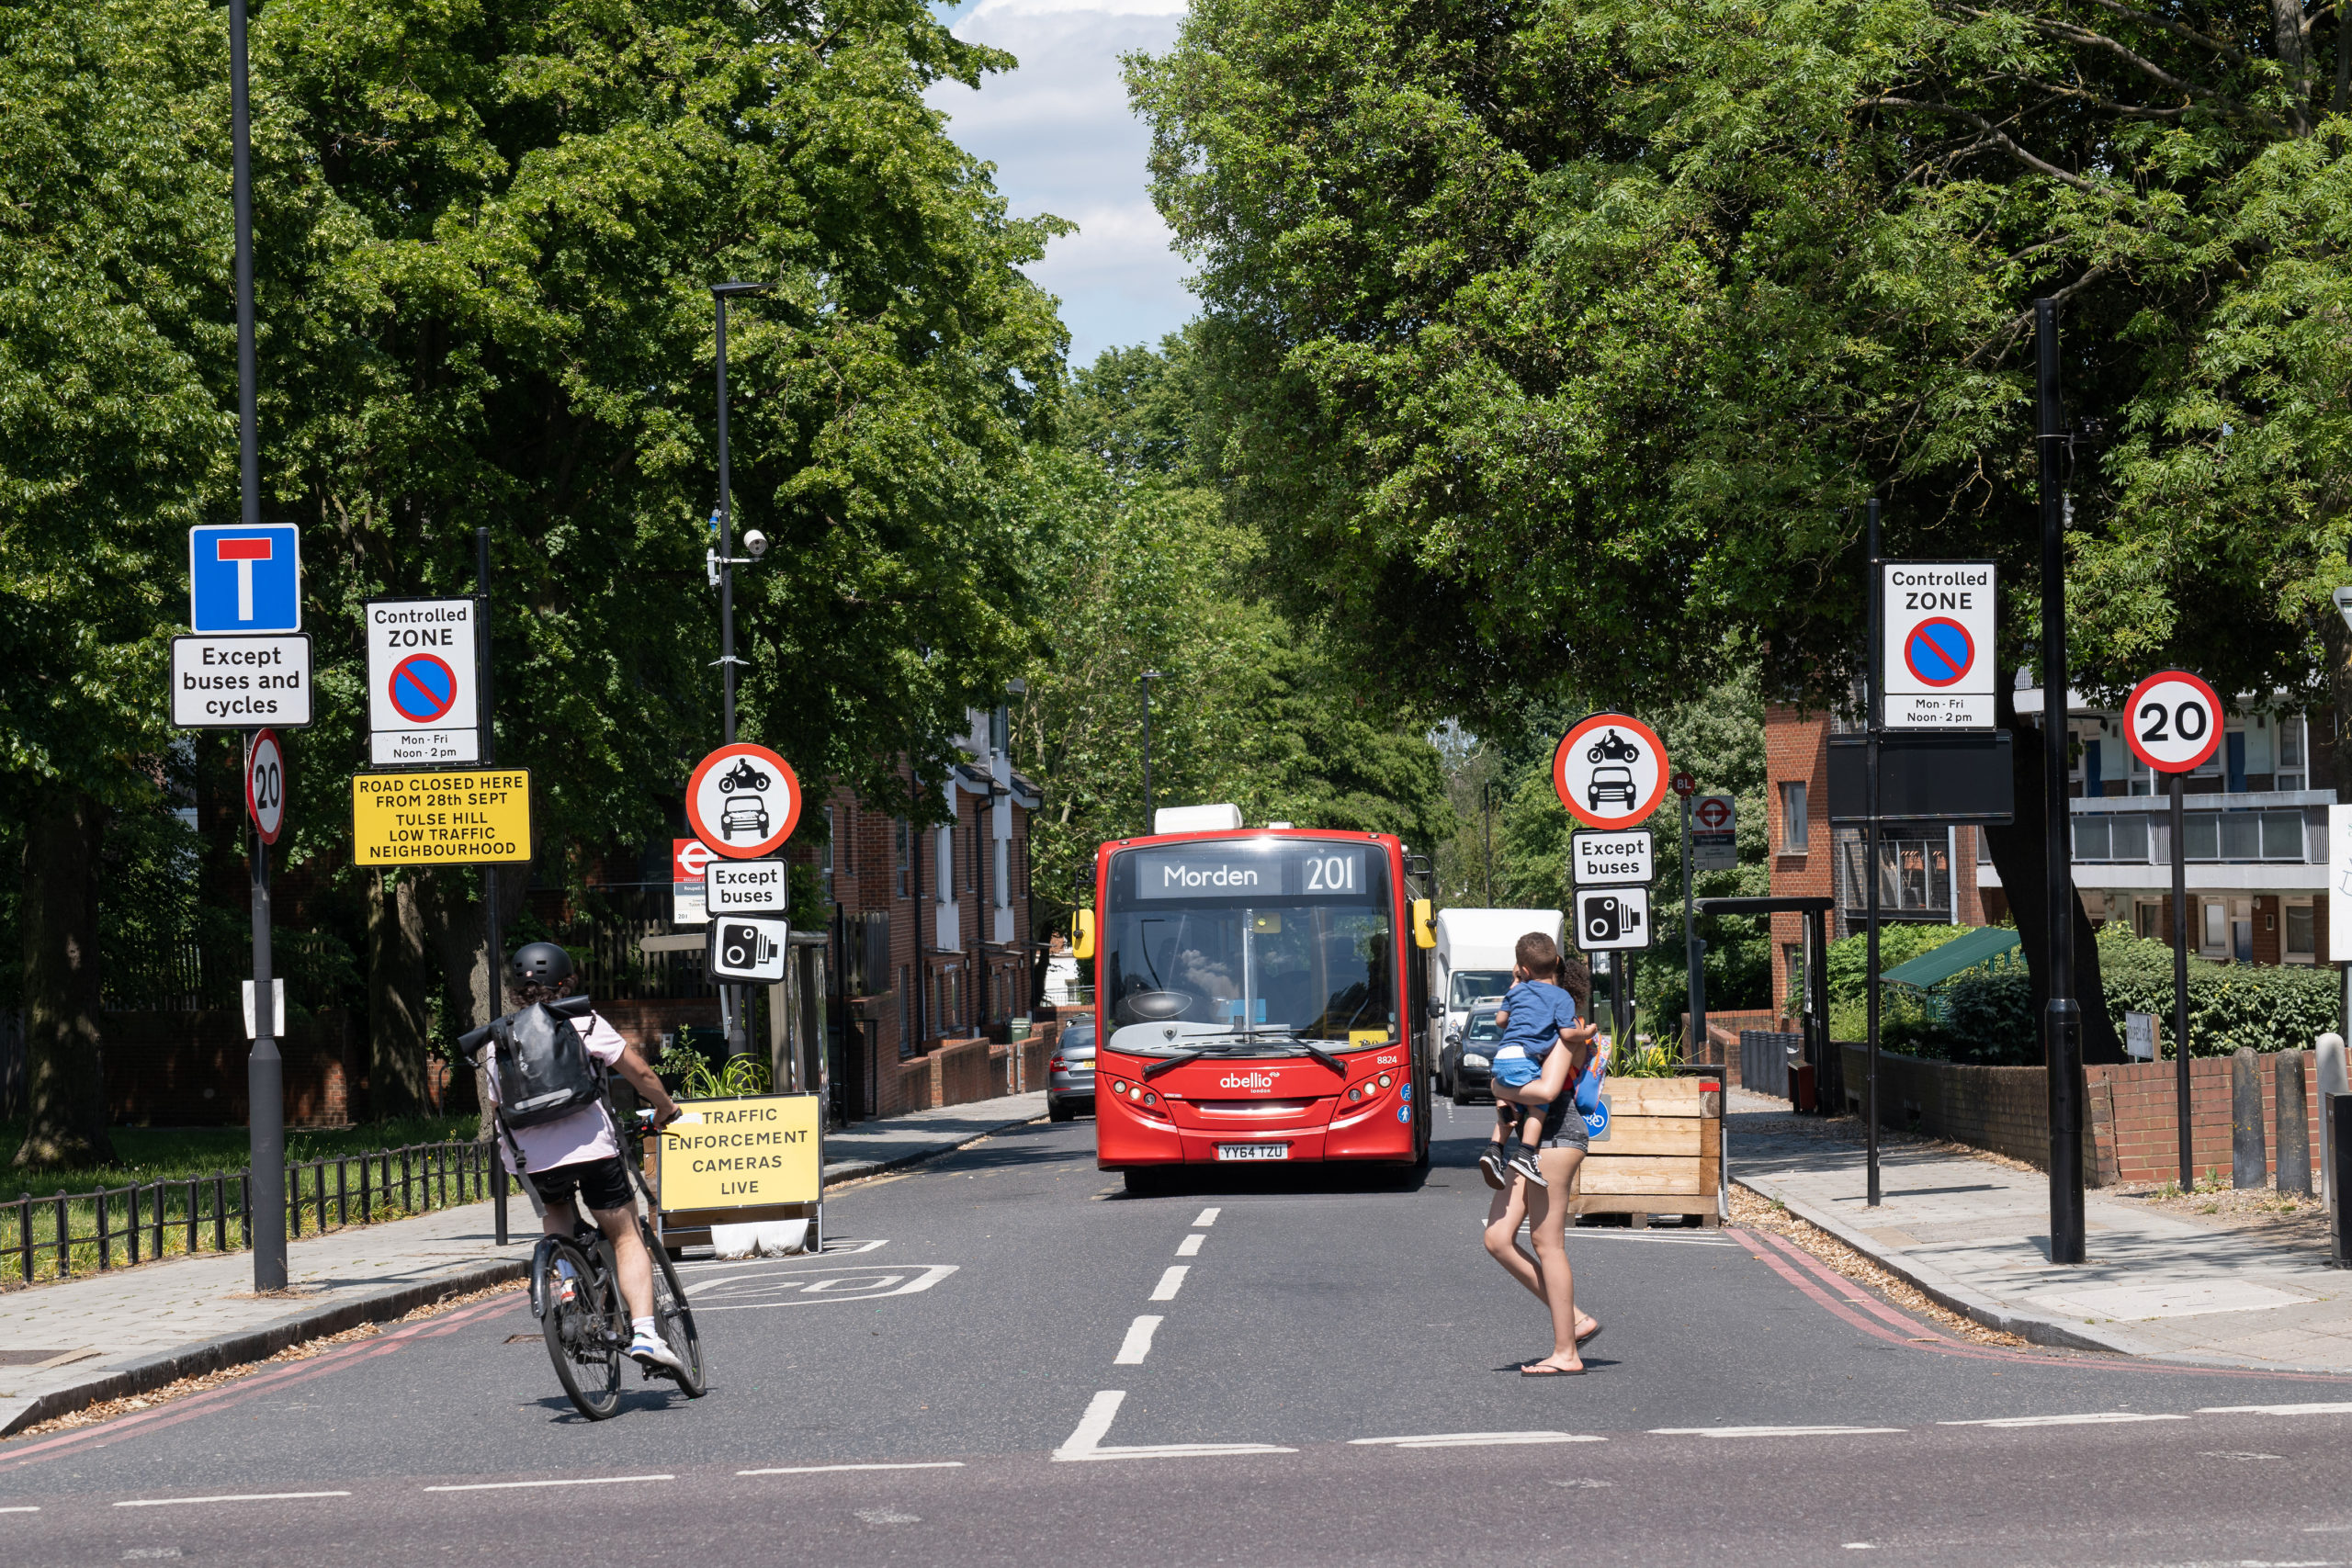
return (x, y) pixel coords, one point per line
(1060, 132)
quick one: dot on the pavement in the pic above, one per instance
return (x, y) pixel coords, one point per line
(1974, 1234)
(127, 1331)
(1002, 1358)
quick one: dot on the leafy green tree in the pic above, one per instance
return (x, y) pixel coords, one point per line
(1250, 707)
(1550, 336)
(484, 233)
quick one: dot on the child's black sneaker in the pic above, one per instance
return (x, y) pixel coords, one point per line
(1491, 1165)
(1522, 1160)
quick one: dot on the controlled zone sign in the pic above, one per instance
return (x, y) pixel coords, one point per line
(743, 801)
(265, 787)
(2173, 722)
(742, 1153)
(748, 947)
(1612, 860)
(241, 682)
(1613, 919)
(244, 579)
(476, 817)
(1937, 667)
(1610, 771)
(422, 688)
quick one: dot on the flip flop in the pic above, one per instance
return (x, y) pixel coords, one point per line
(1538, 1370)
(1588, 1336)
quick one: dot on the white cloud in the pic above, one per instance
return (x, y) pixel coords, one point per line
(1063, 142)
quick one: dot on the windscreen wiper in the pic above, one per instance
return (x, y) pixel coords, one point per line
(1170, 1064)
(1309, 1046)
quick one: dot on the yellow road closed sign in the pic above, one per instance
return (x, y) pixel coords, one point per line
(742, 1153)
(473, 816)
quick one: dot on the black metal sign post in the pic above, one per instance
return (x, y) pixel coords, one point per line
(2180, 983)
(495, 947)
(264, 1069)
(2062, 1029)
(1871, 725)
(1693, 950)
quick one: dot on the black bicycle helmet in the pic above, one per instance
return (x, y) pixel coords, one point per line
(541, 963)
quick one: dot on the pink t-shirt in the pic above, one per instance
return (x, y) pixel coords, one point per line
(585, 1134)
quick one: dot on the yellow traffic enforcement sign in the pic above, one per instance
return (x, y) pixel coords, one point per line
(474, 817)
(742, 1153)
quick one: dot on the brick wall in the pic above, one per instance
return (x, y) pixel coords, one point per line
(2131, 1133)
(961, 1071)
(2133, 1110)
(1796, 748)
(642, 1023)
(1722, 1036)
(2006, 1110)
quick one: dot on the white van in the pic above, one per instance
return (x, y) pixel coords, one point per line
(1473, 959)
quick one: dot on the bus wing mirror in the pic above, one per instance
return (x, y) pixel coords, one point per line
(1424, 935)
(1081, 934)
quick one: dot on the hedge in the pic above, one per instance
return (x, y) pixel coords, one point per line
(1989, 1016)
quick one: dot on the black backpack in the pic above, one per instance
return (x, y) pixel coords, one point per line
(542, 1067)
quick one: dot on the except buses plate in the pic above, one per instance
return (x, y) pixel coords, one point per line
(1253, 1151)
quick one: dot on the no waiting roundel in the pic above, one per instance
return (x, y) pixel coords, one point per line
(1939, 651)
(743, 801)
(2173, 722)
(1611, 771)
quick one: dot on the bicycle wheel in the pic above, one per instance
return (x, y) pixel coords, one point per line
(674, 1317)
(580, 1332)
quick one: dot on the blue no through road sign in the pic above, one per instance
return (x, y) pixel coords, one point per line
(1939, 651)
(244, 579)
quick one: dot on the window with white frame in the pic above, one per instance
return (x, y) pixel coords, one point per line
(1795, 827)
(2294, 749)
(2300, 942)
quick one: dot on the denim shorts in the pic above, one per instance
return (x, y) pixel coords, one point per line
(1564, 1129)
(1516, 1071)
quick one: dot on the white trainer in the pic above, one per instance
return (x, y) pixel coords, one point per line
(654, 1351)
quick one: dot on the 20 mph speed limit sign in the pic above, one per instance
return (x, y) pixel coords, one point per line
(2173, 722)
(265, 787)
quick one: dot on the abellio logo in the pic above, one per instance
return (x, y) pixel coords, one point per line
(1247, 1080)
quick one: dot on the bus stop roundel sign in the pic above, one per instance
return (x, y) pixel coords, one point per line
(743, 801)
(1610, 771)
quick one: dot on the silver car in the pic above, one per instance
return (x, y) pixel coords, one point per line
(1070, 1076)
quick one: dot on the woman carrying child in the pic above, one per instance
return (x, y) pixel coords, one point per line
(1542, 1025)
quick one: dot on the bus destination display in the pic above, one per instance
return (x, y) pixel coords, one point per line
(1294, 871)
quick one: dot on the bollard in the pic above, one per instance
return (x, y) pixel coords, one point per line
(2249, 1166)
(2332, 1080)
(2339, 1111)
(2294, 1125)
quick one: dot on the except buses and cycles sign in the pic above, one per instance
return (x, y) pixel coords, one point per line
(742, 1153)
(455, 819)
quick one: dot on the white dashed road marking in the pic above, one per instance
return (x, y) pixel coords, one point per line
(1137, 1344)
(582, 1480)
(1208, 1217)
(828, 1468)
(2277, 1410)
(1474, 1439)
(1191, 1245)
(2090, 1418)
(1170, 1282)
(227, 1497)
(1768, 1431)
(1086, 1441)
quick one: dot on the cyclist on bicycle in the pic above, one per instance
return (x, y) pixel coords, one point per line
(581, 1154)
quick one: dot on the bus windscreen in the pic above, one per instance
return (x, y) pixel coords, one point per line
(1259, 941)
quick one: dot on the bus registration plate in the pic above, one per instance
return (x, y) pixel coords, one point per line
(1253, 1151)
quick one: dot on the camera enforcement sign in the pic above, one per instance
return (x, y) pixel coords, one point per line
(1613, 918)
(747, 947)
(740, 1154)
(474, 817)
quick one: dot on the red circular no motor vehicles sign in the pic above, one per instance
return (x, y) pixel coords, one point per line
(743, 801)
(1610, 771)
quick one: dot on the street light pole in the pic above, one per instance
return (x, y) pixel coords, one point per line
(1146, 683)
(729, 996)
(265, 1068)
(2062, 1027)
(1487, 805)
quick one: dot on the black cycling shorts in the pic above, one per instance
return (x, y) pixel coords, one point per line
(600, 1183)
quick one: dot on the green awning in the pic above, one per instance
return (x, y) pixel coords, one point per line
(1982, 945)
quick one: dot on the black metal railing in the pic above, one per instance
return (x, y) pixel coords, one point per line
(65, 1233)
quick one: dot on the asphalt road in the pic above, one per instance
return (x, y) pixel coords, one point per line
(1002, 1358)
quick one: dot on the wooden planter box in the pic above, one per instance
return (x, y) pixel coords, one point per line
(1663, 1153)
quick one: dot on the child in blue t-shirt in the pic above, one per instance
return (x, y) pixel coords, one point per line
(1528, 1073)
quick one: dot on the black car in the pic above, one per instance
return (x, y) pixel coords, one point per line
(1465, 1066)
(1070, 1076)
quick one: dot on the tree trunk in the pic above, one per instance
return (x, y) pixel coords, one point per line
(2019, 854)
(58, 909)
(2287, 35)
(396, 1012)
